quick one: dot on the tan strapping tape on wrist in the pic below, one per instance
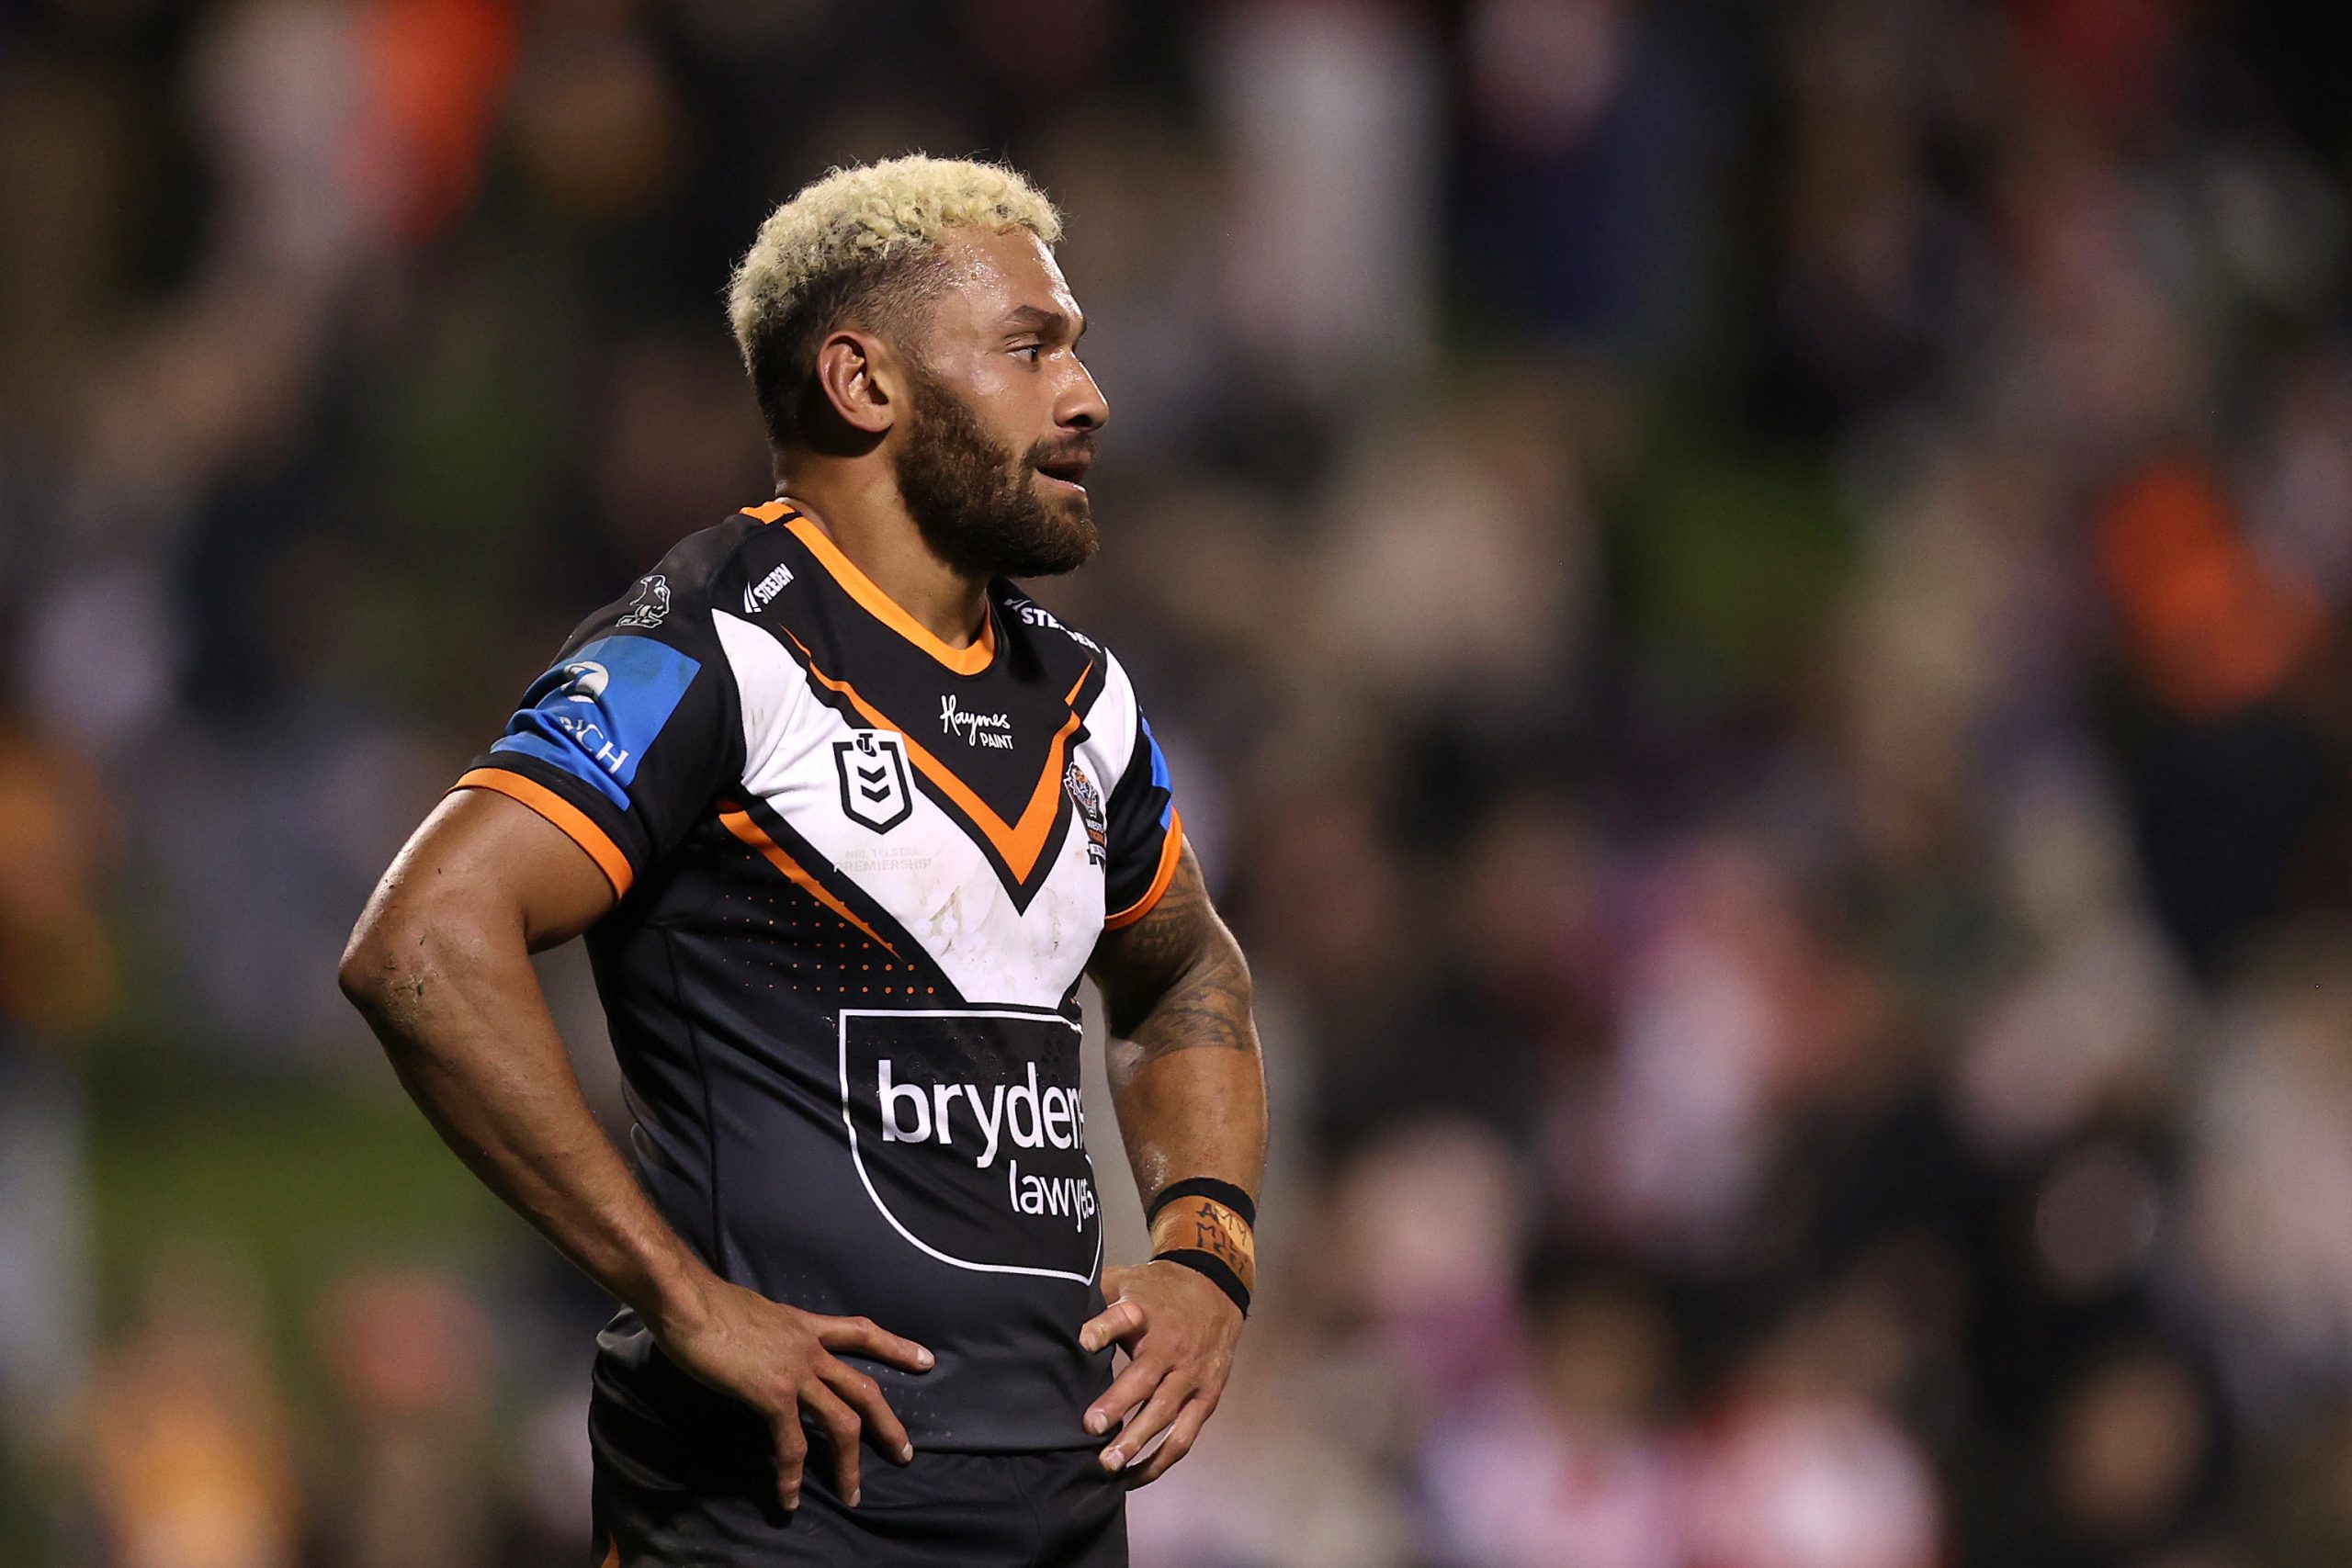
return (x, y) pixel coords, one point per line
(1207, 1226)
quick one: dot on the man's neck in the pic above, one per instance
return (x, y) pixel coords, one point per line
(867, 519)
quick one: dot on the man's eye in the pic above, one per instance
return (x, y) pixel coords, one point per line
(1036, 351)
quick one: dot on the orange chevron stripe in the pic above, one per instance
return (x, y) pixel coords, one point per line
(1019, 844)
(770, 511)
(739, 823)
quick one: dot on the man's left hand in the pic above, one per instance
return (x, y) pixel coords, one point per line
(1179, 1331)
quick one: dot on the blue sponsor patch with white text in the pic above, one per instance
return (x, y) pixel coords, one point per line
(595, 713)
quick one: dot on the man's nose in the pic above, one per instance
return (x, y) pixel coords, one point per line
(1083, 405)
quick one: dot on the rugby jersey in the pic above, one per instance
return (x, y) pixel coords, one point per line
(860, 873)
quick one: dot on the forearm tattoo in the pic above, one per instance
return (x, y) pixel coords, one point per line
(1175, 979)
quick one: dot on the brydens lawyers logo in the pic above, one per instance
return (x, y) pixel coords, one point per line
(982, 1123)
(969, 1133)
(874, 779)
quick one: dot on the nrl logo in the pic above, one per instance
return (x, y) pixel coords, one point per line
(649, 604)
(873, 780)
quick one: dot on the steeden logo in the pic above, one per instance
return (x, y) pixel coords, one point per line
(766, 588)
(1036, 615)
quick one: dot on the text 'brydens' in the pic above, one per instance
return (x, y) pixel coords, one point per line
(1021, 1115)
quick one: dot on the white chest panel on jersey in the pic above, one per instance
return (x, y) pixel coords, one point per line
(879, 829)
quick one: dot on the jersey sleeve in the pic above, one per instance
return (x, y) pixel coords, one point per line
(634, 730)
(1144, 834)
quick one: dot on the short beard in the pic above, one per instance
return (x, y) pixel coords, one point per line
(977, 504)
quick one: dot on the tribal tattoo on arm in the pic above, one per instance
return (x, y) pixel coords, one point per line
(1190, 1090)
(1176, 979)
(1185, 1070)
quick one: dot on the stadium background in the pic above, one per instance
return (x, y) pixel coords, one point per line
(1748, 604)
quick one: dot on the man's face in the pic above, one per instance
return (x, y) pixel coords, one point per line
(1002, 415)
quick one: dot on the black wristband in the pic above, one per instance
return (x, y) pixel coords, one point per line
(1208, 1186)
(1218, 1272)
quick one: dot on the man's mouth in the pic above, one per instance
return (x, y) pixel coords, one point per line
(1068, 470)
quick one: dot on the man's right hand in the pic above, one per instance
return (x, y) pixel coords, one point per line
(780, 1361)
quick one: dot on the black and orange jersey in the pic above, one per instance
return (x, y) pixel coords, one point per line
(860, 875)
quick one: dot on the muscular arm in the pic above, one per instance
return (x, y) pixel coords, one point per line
(440, 965)
(1190, 1090)
(1185, 1074)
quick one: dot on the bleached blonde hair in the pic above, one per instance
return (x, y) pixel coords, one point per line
(850, 246)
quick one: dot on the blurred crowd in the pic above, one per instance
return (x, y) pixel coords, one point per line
(1748, 604)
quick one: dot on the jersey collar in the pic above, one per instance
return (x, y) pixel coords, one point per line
(880, 605)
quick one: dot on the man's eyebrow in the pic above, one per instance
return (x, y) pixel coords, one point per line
(1035, 318)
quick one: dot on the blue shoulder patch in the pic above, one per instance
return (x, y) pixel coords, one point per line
(1159, 779)
(594, 715)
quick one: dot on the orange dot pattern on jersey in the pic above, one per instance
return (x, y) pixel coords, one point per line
(817, 952)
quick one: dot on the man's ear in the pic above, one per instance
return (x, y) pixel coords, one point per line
(858, 377)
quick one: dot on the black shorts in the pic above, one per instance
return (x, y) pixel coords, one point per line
(1055, 1509)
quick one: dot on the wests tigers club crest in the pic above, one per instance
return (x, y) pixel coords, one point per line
(1089, 801)
(873, 780)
